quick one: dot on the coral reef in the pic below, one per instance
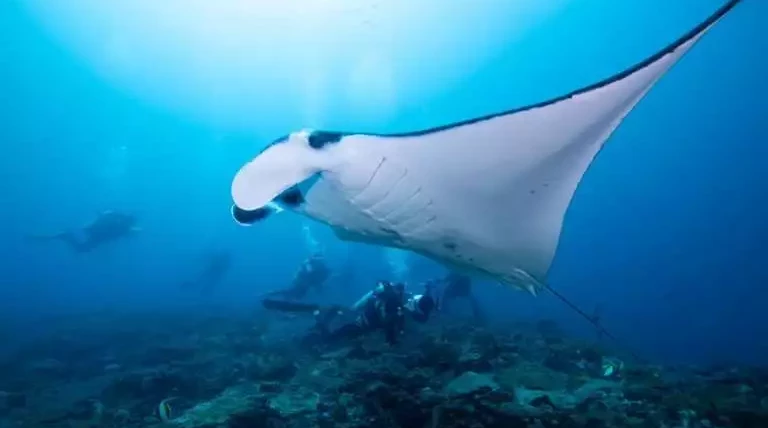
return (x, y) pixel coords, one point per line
(196, 371)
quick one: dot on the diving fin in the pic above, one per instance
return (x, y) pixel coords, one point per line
(290, 306)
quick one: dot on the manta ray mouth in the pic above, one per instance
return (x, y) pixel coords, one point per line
(276, 172)
(290, 199)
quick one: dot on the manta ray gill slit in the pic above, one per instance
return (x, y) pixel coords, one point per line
(291, 198)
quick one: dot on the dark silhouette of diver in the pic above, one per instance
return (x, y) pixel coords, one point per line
(216, 265)
(108, 227)
(458, 286)
(313, 273)
(384, 308)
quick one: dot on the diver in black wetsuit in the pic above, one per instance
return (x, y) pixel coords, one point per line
(216, 265)
(458, 286)
(109, 226)
(314, 272)
(384, 308)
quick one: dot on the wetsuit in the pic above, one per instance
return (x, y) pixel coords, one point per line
(459, 286)
(109, 226)
(384, 308)
(312, 274)
(216, 266)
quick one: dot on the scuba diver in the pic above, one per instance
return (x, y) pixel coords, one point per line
(108, 227)
(385, 308)
(313, 273)
(460, 286)
(216, 265)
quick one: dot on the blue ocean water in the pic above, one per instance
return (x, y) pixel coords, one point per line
(151, 108)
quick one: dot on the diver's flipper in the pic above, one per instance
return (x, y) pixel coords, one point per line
(289, 306)
(74, 240)
(488, 194)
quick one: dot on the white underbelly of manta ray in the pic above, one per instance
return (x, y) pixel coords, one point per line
(488, 194)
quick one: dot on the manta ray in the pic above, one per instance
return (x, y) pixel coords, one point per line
(487, 195)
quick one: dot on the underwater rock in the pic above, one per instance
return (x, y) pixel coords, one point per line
(153, 385)
(531, 376)
(270, 387)
(323, 376)
(391, 406)
(272, 367)
(644, 393)
(562, 361)
(338, 353)
(475, 360)
(468, 383)
(591, 355)
(237, 400)
(486, 343)
(439, 355)
(542, 401)
(746, 418)
(169, 353)
(360, 352)
(478, 414)
(343, 407)
(294, 402)
(121, 416)
(260, 416)
(84, 412)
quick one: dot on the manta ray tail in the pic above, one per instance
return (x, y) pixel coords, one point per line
(591, 319)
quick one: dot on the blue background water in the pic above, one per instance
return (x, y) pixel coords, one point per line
(152, 108)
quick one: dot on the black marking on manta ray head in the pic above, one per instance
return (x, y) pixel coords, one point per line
(291, 198)
(319, 139)
(450, 246)
(279, 140)
(249, 217)
(276, 141)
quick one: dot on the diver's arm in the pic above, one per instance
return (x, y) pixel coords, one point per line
(380, 287)
(363, 300)
(417, 310)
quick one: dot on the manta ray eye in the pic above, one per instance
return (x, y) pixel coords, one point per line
(319, 139)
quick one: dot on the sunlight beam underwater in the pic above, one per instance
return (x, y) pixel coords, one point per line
(487, 195)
